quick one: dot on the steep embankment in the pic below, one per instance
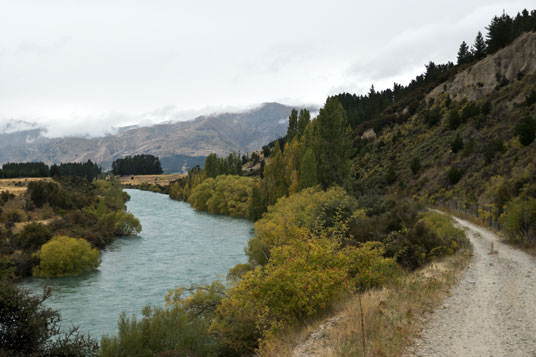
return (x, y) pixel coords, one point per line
(480, 80)
(491, 311)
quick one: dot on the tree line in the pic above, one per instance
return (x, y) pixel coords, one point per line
(137, 165)
(88, 170)
(501, 32)
(230, 165)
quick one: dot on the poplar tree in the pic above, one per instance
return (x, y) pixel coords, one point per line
(303, 119)
(275, 183)
(308, 169)
(211, 165)
(292, 125)
(332, 144)
(256, 203)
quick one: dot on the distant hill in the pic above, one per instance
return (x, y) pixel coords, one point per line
(179, 145)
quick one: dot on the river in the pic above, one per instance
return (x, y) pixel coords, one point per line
(178, 246)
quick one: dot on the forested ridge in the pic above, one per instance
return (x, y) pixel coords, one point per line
(340, 203)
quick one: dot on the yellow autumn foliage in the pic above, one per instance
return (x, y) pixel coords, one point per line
(64, 256)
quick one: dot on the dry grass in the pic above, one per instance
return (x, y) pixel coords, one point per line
(392, 316)
(162, 180)
(20, 225)
(18, 185)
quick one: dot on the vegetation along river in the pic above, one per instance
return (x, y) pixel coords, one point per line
(178, 246)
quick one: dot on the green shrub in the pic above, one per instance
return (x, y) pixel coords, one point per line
(236, 272)
(454, 119)
(454, 175)
(300, 280)
(432, 117)
(65, 193)
(29, 328)
(486, 107)
(6, 196)
(531, 98)
(126, 224)
(33, 236)
(450, 237)
(492, 148)
(469, 110)
(7, 268)
(161, 331)
(309, 210)
(24, 262)
(390, 175)
(519, 220)
(13, 215)
(42, 192)
(415, 165)
(226, 194)
(526, 130)
(432, 236)
(64, 256)
(457, 144)
(469, 147)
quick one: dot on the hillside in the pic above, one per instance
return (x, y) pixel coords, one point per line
(482, 105)
(177, 144)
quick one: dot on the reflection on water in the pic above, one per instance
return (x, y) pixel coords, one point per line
(178, 246)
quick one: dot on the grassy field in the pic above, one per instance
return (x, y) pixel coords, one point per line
(162, 180)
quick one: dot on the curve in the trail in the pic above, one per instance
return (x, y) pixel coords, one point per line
(492, 310)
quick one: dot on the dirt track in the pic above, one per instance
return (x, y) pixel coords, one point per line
(492, 310)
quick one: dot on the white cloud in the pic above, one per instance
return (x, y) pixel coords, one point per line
(89, 66)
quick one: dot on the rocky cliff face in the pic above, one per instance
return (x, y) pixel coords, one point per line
(503, 67)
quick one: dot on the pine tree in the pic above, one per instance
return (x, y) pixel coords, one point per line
(464, 54)
(292, 125)
(479, 47)
(500, 33)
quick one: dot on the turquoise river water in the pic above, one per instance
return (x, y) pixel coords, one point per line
(178, 246)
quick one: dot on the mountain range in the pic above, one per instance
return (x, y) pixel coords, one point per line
(178, 144)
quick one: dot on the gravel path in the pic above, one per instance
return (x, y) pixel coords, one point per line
(492, 310)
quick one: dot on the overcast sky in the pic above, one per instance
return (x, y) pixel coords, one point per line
(83, 67)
